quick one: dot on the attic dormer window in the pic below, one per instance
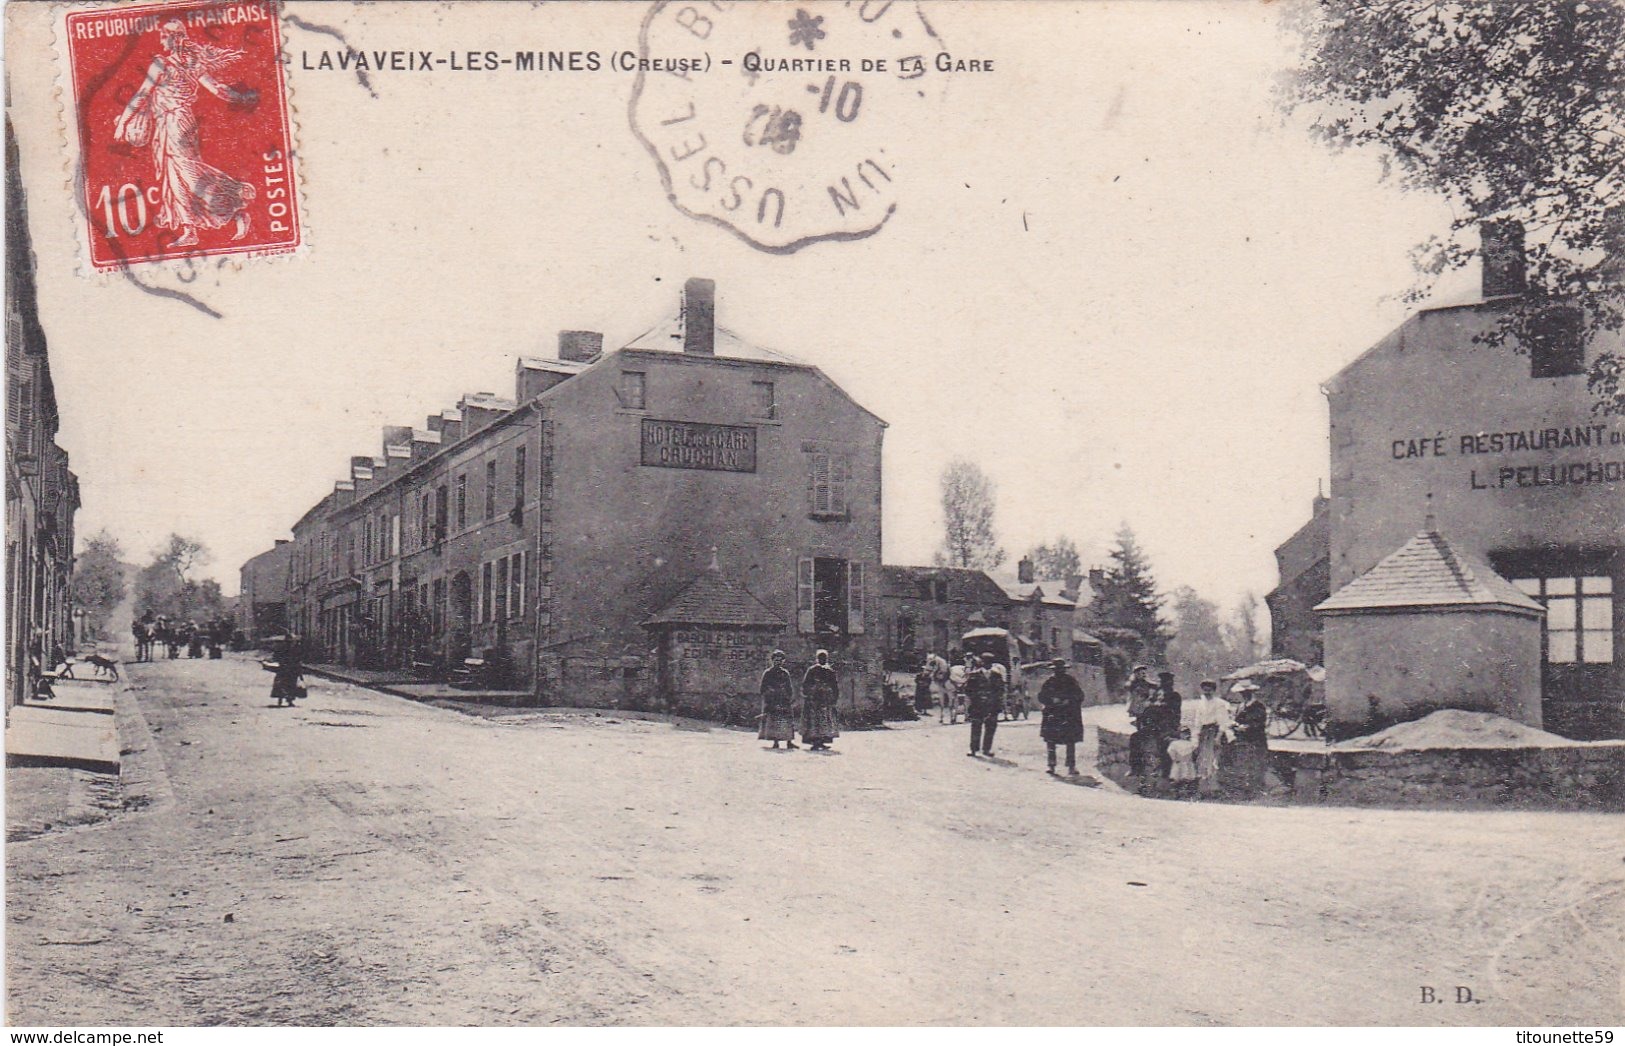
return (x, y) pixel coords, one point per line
(1556, 348)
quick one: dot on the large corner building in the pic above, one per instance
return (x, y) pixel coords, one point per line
(637, 527)
(1472, 551)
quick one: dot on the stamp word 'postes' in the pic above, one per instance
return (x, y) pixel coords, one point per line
(182, 121)
(787, 146)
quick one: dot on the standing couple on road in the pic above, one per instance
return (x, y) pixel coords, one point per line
(819, 692)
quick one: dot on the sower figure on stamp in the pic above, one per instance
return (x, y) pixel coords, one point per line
(819, 692)
(191, 193)
(1061, 699)
(985, 693)
(778, 704)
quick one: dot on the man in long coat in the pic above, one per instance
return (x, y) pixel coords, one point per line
(819, 691)
(1144, 715)
(778, 704)
(1061, 699)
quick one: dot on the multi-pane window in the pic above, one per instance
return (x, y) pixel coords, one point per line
(487, 592)
(763, 404)
(440, 513)
(1579, 617)
(633, 390)
(462, 501)
(827, 476)
(490, 488)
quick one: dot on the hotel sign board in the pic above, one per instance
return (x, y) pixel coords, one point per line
(694, 445)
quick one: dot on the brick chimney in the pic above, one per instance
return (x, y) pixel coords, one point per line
(580, 346)
(700, 317)
(1501, 258)
(1024, 571)
(1097, 578)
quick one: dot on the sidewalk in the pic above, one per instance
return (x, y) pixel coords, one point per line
(77, 730)
(404, 685)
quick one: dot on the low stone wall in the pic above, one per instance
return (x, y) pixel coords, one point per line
(1590, 777)
(1567, 777)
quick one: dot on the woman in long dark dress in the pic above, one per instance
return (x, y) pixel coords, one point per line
(1250, 754)
(778, 704)
(285, 683)
(819, 692)
(1061, 698)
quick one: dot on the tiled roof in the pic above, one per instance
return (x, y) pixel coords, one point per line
(964, 585)
(1428, 571)
(711, 599)
(668, 337)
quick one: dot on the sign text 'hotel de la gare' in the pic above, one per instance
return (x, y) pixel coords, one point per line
(693, 445)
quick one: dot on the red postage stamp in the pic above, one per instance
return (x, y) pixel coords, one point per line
(183, 128)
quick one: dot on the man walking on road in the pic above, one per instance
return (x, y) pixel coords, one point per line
(985, 693)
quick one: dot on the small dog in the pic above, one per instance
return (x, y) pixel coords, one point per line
(105, 666)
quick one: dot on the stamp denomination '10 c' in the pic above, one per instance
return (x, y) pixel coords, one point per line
(182, 121)
(780, 134)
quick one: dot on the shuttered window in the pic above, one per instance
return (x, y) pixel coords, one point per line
(827, 476)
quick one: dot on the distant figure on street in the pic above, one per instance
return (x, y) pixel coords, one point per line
(194, 640)
(141, 632)
(954, 693)
(1170, 706)
(984, 700)
(1210, 721)
(289, 672)
(778, 704)
(819, 691)
(1140, 711)
(1061, 700)
(922, 689)
(1182, 765)
(1250, 755)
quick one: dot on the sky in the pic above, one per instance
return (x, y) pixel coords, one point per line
(1115, 279)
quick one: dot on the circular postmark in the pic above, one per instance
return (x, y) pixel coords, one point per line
(781, 137)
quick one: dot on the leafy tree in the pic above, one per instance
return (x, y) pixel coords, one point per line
(1127, 598)
(1059, 560)
(1511, 111)
(968, 500)
(98, 580)
(167, 587)
(1199, 649)
(1246, 641)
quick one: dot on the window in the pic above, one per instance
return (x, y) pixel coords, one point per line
(499, 598)
(905, 632)
(462, 501)
(1579, 617)
(939, 590)
(519, 478)
(830, 596)
(826, 485)
(490, 488)
(632, 390)
(763, 404)
(440, 512)
(1556, 346)
(516, 580)
(487, 593)
(426, 520)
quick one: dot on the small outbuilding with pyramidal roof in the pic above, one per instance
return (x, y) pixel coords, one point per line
(714, 639)
(1431, 626)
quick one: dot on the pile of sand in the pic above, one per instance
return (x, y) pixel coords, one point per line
(1454, 728)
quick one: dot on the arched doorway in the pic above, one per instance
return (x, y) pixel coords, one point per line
(459, 632)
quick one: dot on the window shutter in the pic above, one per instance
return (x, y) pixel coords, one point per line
(804, 595)
(854, 598)
(838, 468)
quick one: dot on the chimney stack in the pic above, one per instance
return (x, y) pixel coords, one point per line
(1024, 571)
(580, 346)
(700, 317)
(1501, 258)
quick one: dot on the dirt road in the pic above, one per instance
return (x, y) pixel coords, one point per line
(362, 859)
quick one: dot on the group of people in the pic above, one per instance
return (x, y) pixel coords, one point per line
(151, 631)
(1197, 747)
(946, 683)
(820, 690)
